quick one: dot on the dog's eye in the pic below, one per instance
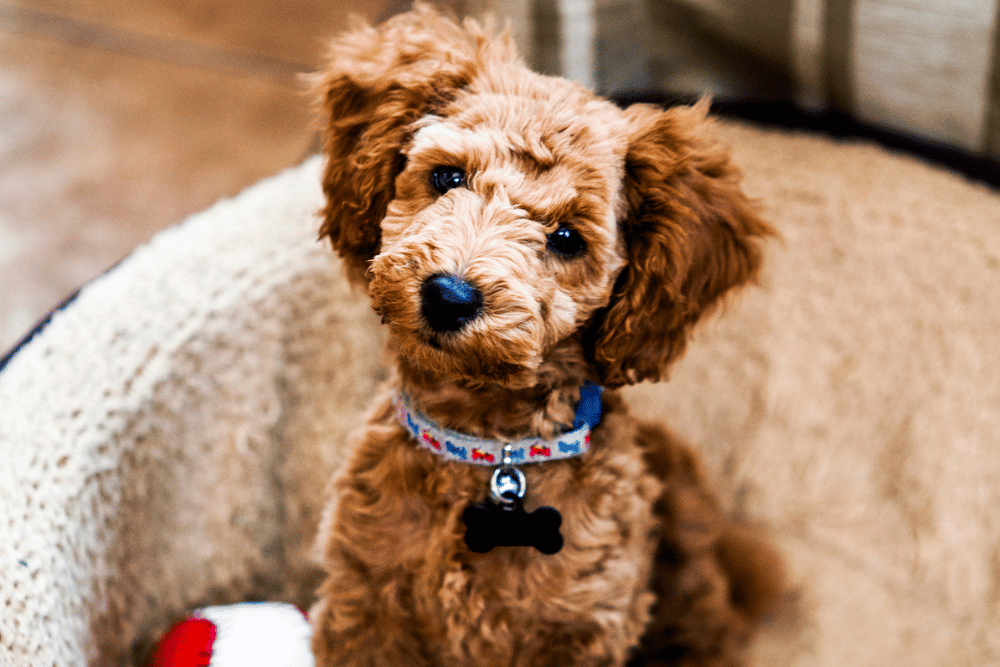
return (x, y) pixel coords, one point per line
(447, 178)
(567, 242)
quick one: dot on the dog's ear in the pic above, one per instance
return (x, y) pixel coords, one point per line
(691, 236)
(375, 84)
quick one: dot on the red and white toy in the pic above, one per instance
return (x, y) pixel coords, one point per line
(254, 634)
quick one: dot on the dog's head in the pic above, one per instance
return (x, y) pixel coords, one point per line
(500, 219)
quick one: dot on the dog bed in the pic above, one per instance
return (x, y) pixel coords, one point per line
(165, 440)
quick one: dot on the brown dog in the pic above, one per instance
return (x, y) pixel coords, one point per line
(521, 239)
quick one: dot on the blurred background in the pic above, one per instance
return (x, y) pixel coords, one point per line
(119, 118)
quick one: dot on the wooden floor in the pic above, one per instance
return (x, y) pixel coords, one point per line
(119, 118)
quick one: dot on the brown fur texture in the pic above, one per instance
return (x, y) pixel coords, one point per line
(651, 571)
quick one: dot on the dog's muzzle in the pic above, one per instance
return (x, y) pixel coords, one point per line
(448, 302)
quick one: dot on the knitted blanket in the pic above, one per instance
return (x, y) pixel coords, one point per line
(166, 439)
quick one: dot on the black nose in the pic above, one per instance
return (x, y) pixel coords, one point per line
(448, 303)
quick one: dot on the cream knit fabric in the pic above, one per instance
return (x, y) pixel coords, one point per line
(165, 441)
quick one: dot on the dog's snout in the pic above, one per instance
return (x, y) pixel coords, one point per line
(448, 302)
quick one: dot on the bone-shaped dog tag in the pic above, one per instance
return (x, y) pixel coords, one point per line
(491, 525)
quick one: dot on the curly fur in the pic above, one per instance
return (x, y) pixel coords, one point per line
(651, 571)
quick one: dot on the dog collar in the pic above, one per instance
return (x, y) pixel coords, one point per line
(455, 446)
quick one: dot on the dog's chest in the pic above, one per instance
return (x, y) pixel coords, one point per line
(481, 605)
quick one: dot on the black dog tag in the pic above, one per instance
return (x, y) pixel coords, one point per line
(491, 525)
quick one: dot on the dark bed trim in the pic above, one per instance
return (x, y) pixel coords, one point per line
(37, 329)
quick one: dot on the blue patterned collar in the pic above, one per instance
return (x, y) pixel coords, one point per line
(455, 446)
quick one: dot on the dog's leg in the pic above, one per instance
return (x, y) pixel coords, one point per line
(714, 580)
(352, 627)
(366, 611)
(582, 645)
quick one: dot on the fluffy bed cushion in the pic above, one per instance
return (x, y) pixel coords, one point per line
(165, 441)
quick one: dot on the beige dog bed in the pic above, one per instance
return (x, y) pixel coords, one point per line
(164, 442)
